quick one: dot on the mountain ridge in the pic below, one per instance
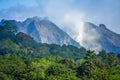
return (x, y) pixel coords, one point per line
(95, 37)
(44, 31)
(107, 39)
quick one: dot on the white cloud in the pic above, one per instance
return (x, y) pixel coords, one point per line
(75, 26)
(70, 16)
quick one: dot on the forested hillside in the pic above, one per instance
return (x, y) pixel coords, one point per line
(22, 58)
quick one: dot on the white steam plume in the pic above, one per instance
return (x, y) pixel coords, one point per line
(82, 32)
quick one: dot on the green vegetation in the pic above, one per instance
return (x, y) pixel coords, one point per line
(22, 58)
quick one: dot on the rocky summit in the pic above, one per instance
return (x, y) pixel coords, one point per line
(44, 31)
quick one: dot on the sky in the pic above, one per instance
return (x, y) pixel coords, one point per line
(64, 12)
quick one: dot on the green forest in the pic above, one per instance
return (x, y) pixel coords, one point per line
(22, 58)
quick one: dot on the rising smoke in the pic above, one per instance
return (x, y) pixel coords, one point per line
(83, 32)
(70, 16)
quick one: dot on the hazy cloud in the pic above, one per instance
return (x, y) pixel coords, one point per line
(69, 15)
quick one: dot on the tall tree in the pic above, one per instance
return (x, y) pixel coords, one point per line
(87, 68)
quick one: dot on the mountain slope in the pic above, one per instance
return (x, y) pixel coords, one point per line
(44, 31)
(109, 40)
(99, 37)
(90, 35)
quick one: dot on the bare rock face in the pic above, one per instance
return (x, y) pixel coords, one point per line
(44, 31)
(94, 37)
(105, 39)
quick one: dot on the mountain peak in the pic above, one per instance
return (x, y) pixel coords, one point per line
(45, 31)
(36, 18)
(90, 25)
(102, 26)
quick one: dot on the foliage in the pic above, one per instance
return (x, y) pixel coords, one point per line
(22, 58)
(8, 46)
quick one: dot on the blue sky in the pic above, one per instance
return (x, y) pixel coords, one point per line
(95, 11)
